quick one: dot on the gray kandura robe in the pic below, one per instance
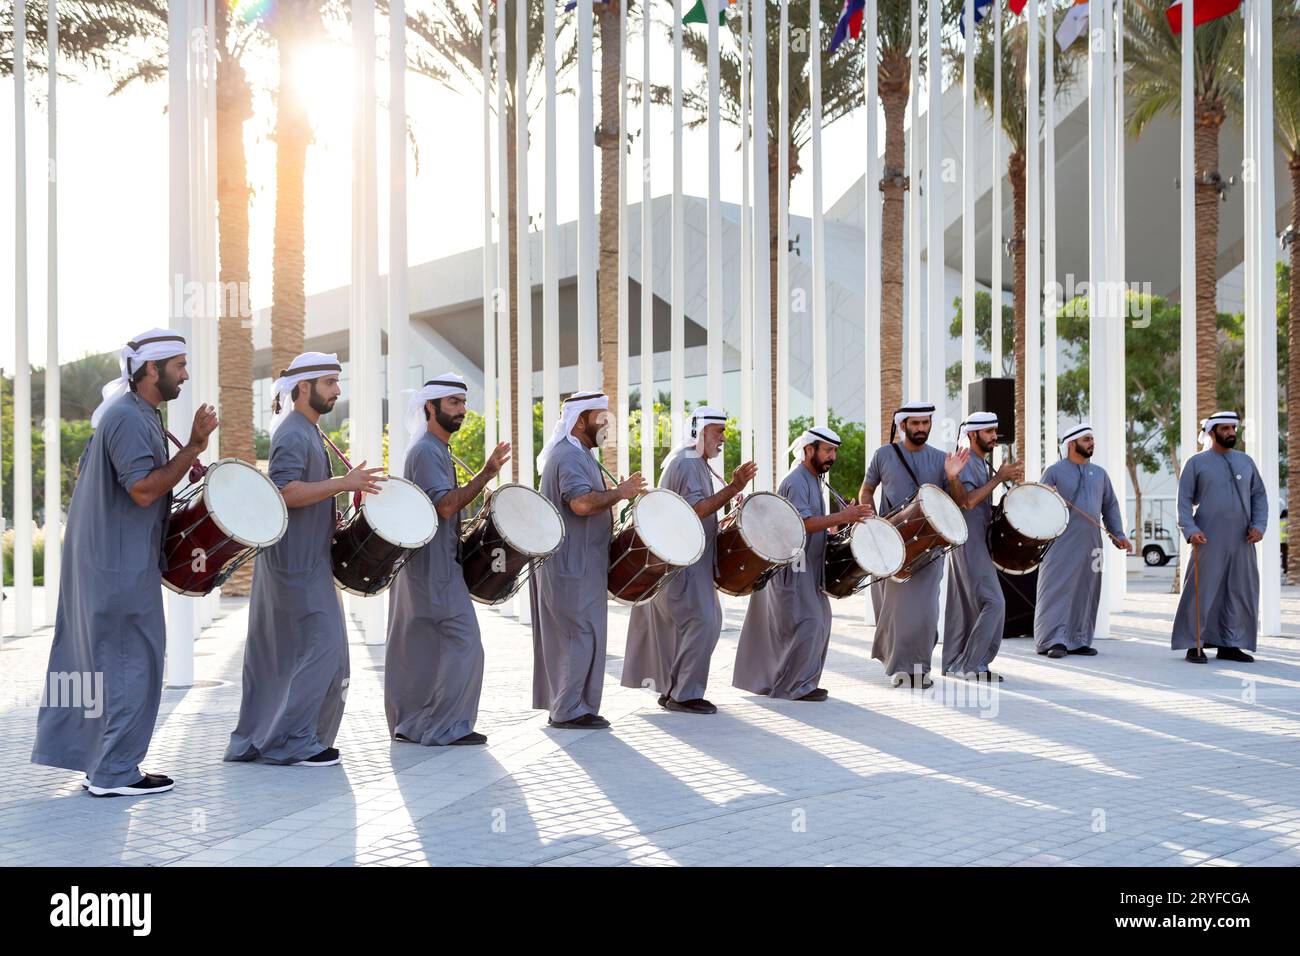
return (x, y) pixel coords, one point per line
(972, 628)
(1069, 589)
(100, 699)
(907, 612)
(787, 628)
(670, 639)
(296, 654)
(1229, 498)
(568, 594)
(433, 666)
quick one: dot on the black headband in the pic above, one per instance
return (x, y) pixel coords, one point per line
(156, 338)
(309, 368)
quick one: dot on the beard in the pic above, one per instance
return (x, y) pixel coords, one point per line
(978, 444)
(918, 437)
(448, 423)
(1228, 442)
(319, 404)
(1085, 452)
(169, 388)
(823, 464)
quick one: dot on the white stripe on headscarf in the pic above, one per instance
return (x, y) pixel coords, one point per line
(152, 346)
(977, 421)
(819, 433)
(574, 405)
(304, 368)
(1218, 418)
(1082, 430)
(910, 410)
(448, 383)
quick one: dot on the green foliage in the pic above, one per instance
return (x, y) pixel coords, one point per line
(983, 340)
(38, 557)
(73, 436)
(851, 462)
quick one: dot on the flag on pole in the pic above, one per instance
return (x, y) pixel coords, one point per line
(1203, 11)
(1017, 6)
(1073, 24)
(697, 13)
(850, 23)
(981, 6)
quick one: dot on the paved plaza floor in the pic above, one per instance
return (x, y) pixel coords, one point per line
(1131, 757)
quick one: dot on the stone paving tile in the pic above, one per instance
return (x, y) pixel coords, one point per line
(1128, 758)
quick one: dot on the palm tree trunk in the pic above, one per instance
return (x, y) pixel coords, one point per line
(894, 80)
(609, 137)
(1016, 174)
(1209, 117)
(235, 328)
(1293, 379)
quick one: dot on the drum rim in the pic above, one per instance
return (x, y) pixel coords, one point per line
(890, 525)
(704, 538)
(1065, 509)
(402, 544)
(740, 528)
(550, 504)
(965, 528)
(216, 519)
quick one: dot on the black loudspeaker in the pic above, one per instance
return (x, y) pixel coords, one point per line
(1020, 591)
(996, 395)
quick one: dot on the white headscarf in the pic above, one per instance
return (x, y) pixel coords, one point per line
(1081, 430)
(448, 383)
(152, 346)
(819, 433)
(1218, 418)
(574, 405)
(304, 368)
(702, 417)
(977, 421)
(910, 410)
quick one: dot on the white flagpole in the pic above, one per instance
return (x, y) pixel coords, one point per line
(968, 152)
(23, 572)
(936, 308)
(677, 345)
(624, 432)
(912, 344)
(762, 371)
(587, 237)
(871, 199)
(522, 453)
(818, 297)
(647, 264)
(505, 414)
(489, 259)
(746, 249)
(1049, 239)
(1187, 242)
(995, 262)
(398, 309)
(1117, 578)
(1032, 425)
(782, 432)
(53, 432)
(715, 345)
(550, 241)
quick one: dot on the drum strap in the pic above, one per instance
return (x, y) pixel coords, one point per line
(356, 495)
(197, 470)
(903, 458)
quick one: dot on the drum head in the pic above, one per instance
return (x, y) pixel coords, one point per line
(527, 521)
(245, 503)
(669, 527)
(771, 526)
(1036, 511)
(877, 547)
(401, 514)
(943, 514)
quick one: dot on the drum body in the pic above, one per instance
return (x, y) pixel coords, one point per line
(376, 540)
(656, 537)
(515, 532)
(755, 541)
(930, 524)
(1025, 522)
(218, 524)
(860, 555)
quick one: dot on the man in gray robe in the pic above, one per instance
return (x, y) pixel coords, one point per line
(104, 681)
(972, 631)
(787, 628)
(670, 638)
(1069, 577)
(433, 665)
(296, 654)
(1222, 513)
(907, 612)
(568, 594)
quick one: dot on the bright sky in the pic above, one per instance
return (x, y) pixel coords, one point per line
(113, 188)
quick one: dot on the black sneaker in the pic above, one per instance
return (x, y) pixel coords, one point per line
(663, 700)
(585, 722)
(697, 706)
(149, 783)
(1057, 651)
(1196, 657)
(1085, 651)
(326, 758)
(988, 676)
(1233, 654)
(818, 693)
(469, 740)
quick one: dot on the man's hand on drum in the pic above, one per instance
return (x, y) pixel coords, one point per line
(743, 475)
(500, 455)
(1011, 471)
(954, 463)
(853, 513)
(205, 423)
(363, 479)
(631, 486)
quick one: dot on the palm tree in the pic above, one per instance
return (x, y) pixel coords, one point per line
(1014, 66)
(446, 46)
(610, 138)
(1153, 57)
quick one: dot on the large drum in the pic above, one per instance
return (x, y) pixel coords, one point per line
(515, 532)
(218, 524)
(930, 524)
(1028, 519)
(657, 536)
(755, 541)
(860, 555)
(374, 543)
